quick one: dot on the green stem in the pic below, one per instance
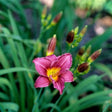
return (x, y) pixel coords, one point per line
(60, 97)
(36, 101)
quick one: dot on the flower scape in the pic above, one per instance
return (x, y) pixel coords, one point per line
(55, 69)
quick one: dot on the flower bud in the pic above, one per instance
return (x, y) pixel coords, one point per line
(81, 51)
(76, 30)
(51, 46)
(83, 31)
(88, 50)
(44, 12)
(57, 18)
(70, 37)
(94, 56)
(83, 67)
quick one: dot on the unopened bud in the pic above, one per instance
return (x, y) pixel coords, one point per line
(83, 67)
(57, 18)
(83, 31)
(44, 12)
(51, 46)
(70, 37)
(94, 56)
(81, 51)
(76, 30)
(88, 50)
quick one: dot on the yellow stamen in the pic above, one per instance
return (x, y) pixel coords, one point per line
(53, 72)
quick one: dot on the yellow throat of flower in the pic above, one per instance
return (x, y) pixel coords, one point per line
(53, 73)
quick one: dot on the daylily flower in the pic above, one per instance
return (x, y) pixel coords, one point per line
(54, 70)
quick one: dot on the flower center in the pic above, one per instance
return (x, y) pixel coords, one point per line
(53, 73)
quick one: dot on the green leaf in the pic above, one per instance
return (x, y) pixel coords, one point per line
(106, 107)
(17, 62)
(90, 100)
(16, 69)
(103, 68)
(10, 106)
(4, 81)
(13, 24)
(52, 106)
(81, 88)
(99, 40)
(4, 96)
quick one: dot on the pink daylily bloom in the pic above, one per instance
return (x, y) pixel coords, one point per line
(54, 70)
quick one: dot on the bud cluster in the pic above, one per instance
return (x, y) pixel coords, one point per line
(82, 56)
(46, 20)
(74, 38)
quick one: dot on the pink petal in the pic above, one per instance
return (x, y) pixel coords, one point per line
(41, 64)
(42, 82)
(65, 61)
(51, 58)
(59, 85)
(67, 76)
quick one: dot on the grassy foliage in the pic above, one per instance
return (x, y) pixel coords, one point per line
(22, 41)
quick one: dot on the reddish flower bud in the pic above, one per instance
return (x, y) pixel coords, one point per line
(57, 18)
(83, 67)
(44, 12)
(70, 37)
(81, 51)
(51, 46)
(95, 54)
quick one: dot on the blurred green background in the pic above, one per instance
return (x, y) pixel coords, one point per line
(22, 39)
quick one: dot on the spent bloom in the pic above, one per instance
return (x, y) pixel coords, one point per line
(54, 70)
